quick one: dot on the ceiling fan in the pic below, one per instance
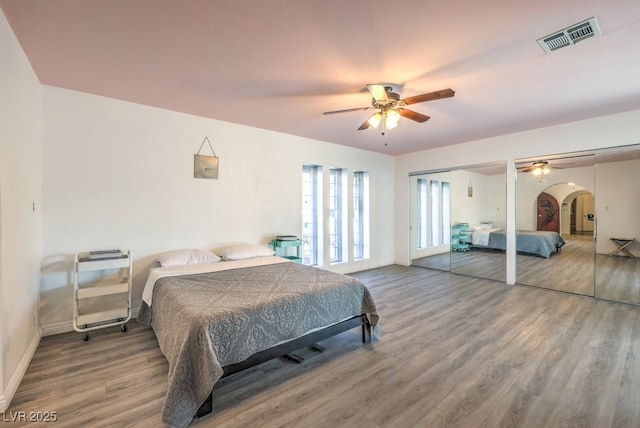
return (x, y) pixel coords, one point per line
(390, 107)
(541, 167)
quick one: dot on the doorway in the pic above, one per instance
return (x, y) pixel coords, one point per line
(582, 217)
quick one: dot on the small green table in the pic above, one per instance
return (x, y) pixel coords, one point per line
(286, 244)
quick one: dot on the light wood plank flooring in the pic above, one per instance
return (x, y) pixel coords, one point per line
(574, 269)
(571, 270)
(455, 351)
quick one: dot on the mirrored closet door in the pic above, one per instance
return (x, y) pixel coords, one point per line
(618, 224)
(555, 219)
(478, 221)
(452, 214)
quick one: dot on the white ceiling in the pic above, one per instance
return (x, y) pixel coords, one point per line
(279, 64)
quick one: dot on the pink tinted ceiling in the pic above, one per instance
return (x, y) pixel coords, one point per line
(279, 64)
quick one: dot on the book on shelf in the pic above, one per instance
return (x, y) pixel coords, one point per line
(104, 254)
(286, 238)
(101, 252)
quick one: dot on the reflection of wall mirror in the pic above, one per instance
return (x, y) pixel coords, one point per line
(590, 199)
(451, 216)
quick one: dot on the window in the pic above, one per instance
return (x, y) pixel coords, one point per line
(434, 224)
(446, 214)
(433, 216)
(333, 231)
(311, 207)
(360, 215)
(337, 215)
(422, 213)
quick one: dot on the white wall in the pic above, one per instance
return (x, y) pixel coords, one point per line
(617, 202)
(607, 131)
(20, 166)
(118, 174)
(484, 205)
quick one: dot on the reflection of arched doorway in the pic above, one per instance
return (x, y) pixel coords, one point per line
(566, 208)
(582, 220)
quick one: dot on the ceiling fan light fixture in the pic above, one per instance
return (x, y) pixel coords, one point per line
(540, 170)
(392, 118)
(375, 120)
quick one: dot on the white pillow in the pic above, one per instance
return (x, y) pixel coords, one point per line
(187, 257)
(482, 226)
(244, 251)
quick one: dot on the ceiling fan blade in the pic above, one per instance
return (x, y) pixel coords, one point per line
(413, 115)
(378, 92)
(526, 168)
(444, 93)
(348, 110)
(365, 124)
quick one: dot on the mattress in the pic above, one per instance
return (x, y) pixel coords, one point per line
(541, 243)
(210, 319)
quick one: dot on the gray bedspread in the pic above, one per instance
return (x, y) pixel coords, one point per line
(541, 243)
(206, 321)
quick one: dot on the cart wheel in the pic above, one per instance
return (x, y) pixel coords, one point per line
(123, 327)
(86, 337)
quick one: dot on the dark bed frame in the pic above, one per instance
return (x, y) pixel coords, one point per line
(288, 347)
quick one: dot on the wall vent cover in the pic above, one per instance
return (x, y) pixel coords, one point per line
(570, 35)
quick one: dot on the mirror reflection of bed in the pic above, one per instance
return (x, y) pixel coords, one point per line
(561, 202)
(482, 201)
(598, 198)
(441, 200)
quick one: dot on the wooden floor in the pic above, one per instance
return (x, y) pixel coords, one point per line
(570, 270)
(575, 269)
(455, 352)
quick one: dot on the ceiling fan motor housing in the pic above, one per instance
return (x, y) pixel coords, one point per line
(391, 101)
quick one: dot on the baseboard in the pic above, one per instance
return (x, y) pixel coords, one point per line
(57, 328)
(67, 326)
(12, 387)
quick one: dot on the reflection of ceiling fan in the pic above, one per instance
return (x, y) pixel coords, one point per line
(536, 168)
(539, 168)
(390, 107)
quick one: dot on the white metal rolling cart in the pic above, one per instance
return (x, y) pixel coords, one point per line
(102, 290)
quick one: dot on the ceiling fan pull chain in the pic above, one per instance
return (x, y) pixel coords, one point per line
(384, 121)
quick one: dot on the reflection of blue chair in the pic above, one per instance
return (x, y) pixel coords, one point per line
(459, 241)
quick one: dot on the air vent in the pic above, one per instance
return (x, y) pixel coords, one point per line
(570, 35)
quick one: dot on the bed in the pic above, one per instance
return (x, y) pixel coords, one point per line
(214, 319)
(541, 243)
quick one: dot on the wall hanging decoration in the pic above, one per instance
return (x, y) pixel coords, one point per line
(470, 190)
(205, 166)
